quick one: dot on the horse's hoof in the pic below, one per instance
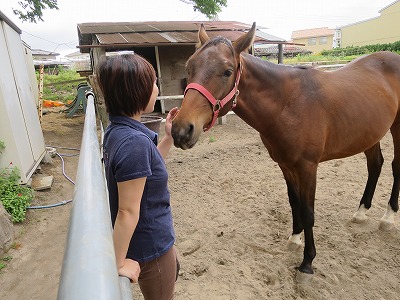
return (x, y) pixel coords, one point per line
(385, 225)
(303, 278)
(294, 243)
(387, 221)
(359, 220)
(360, 216)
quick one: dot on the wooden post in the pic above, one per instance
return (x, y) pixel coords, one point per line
(280, 53)
(222, 120)
(160, 81)
(40, 108)
(99, 102)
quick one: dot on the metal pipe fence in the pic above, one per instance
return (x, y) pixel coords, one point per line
(89, 268)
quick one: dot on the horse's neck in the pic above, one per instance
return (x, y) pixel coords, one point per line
(260, 73)
(259, 90)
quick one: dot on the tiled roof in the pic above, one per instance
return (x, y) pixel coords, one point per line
(387, 6)
(273, 49)
(315, 32)
(43, 52)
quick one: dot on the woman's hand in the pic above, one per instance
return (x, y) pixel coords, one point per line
(168, 121)
(130, 269)
(167, 140)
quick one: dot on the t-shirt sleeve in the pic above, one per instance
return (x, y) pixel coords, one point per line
(133, 159)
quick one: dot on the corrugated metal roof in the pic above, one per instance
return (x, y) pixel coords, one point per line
(160, 33)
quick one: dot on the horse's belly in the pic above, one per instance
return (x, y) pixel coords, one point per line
(349, 145)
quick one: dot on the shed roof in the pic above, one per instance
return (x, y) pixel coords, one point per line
(154, 33)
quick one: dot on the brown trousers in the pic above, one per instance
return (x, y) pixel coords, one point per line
(157, 277)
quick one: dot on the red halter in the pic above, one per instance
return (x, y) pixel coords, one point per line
(217, 104)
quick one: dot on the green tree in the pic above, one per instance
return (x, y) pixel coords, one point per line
(32, 10)
(209, 8)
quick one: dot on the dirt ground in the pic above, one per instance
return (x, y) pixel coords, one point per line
(232, 221)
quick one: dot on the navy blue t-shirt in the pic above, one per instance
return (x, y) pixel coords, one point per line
(130, 152)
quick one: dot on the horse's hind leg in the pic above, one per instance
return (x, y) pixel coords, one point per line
(387, 221)
(374, 165)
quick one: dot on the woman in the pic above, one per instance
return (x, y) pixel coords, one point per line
(137, 177)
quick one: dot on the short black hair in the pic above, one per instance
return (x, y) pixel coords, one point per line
(126, 82)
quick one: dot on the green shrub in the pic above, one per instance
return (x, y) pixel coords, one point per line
(360, 50)
(2, 146)
(15, 197)
(4, 259)
(56, 86)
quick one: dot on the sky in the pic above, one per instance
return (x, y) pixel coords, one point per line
(58, 32)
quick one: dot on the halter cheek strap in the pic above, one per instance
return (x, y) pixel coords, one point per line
(217, 104)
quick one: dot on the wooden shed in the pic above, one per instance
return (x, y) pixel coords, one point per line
(167, 45)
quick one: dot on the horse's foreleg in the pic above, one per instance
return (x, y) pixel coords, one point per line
(387, 221)
(374, 165)
(307, 178)
(304, 178)
(294, 241)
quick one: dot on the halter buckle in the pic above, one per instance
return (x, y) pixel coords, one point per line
(235, 98)
(217, 106)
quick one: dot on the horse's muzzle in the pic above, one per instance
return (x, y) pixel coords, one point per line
(183, 136)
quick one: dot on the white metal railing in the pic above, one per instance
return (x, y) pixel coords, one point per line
(162, 100)
(89, 267)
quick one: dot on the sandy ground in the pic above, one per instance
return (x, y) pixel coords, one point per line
(232, 221)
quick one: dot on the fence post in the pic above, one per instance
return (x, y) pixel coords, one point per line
(89, 268)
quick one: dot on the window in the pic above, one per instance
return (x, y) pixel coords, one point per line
(312, 41)
(323, 40)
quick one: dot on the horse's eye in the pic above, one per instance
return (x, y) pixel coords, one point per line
(228, 73)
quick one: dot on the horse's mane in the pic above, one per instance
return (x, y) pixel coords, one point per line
(303, 67)
(215, 41)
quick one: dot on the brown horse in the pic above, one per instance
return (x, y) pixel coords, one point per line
(304, 116)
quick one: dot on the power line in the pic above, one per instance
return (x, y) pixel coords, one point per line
(67, 44)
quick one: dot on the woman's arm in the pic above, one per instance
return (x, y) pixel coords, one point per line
(167, 141)
(130, 194)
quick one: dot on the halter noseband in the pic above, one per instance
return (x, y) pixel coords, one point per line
(217, 104)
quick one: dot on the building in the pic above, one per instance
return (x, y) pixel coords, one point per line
(79, 61)
(379, 30)
(315, 40)
(44, 55)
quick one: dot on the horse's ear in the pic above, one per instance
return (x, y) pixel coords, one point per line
(203, 36)
(245, 41)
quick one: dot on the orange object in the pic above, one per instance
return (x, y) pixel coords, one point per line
(51, 103)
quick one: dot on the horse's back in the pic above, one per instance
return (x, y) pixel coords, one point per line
(385, 61)
(361, 100)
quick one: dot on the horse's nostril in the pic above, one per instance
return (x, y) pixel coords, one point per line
(190, 130)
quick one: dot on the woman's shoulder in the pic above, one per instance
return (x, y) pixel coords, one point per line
(122, 131)
(124, 137)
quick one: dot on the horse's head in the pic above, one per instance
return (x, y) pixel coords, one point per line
(213, 73)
